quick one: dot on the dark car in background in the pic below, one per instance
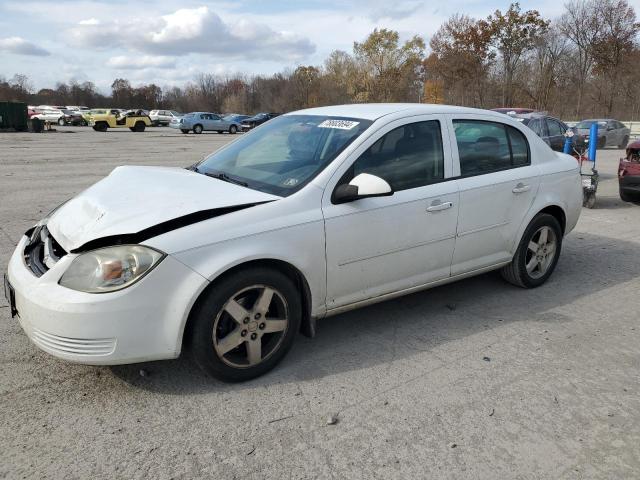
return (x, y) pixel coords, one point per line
(629, 174)
(610, 132)
(513, 111)
(258, 119)
(236, 117)
(550, 129)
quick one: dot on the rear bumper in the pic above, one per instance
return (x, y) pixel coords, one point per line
(141, 323)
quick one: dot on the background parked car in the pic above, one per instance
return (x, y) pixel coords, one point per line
(550, 129)
(236, 117)
(199, 122)
(513, 111)
(163, 117)
(610, 132)
(256, 120)
(72, 117)
(629, 174)
(51, 115)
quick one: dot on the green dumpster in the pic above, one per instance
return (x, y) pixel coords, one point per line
(13, 115)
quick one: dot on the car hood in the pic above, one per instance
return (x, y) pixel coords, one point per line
(132, 202)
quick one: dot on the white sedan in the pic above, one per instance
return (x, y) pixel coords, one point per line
(314, 213)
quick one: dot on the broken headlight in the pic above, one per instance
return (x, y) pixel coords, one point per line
(109, 269)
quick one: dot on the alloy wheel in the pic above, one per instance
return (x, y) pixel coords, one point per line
(541, 252)
(250, 326)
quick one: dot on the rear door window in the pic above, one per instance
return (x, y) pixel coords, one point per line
(485, 147)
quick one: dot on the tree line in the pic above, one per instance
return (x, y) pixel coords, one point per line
(578, 65)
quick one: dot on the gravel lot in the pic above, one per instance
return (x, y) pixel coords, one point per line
(474, 380)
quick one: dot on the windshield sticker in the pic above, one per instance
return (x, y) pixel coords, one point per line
(341, 124)
(290, 182)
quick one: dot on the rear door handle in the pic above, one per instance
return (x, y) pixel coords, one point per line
(521, 188)
(437, 206)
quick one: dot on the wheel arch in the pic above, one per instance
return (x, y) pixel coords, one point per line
(307, 326)
(551, 208)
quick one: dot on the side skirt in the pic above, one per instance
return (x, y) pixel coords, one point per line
(407, 291)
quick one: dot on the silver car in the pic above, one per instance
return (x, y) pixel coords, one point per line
(199, 122)
(610, 132)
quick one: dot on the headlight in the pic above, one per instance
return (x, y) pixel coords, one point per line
(109, 269)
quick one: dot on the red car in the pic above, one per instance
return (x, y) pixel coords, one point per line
(629, 173)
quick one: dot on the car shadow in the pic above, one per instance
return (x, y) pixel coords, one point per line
(421, 322)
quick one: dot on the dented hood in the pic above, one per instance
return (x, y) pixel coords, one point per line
(134, 202)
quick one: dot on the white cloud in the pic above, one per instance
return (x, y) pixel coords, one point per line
(197, 30)
(89, 21)
(20, 46)
(139, 62)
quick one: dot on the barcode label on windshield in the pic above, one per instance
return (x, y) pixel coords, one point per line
(341, 124)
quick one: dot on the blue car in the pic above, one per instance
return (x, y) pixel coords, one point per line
(199, 122)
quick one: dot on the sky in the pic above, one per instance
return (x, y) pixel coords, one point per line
(170, 42)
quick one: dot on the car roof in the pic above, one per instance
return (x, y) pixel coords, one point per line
(373, 111)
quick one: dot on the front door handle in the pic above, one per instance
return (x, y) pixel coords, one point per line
(437, 206)
(521, 188)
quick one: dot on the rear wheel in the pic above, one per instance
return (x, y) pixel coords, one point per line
(139, 127)
(246, 324)
(537, 254)
(624, 143)
(100, 127)
(233, 129)
(602, 143)
(61, 122)
(197, 129)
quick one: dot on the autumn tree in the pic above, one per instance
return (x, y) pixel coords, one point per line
(389, 72)
(580, 25)
(460, 59)
(513, 34)
(614, 45)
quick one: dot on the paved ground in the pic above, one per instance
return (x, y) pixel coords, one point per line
(476, 380)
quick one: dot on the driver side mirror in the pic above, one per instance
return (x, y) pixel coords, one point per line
(364, 185)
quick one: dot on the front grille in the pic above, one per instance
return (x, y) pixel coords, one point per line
(43, 251)
(73, 346)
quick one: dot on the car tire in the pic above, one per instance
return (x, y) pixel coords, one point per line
(530, 268)
(100, 127)
(61, 122)
(233, 129)
(602, 143)
(139, 127)
(197, 129)
(184, 130)
(624, 197)
(624, 143)
(250, 352)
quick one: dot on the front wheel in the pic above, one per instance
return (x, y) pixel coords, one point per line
(246, 324)
(197, 129)
(537, 254)
(61, 122)
(139, 127)
(233, 129)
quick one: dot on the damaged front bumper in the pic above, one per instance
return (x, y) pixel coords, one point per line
(140, 323)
